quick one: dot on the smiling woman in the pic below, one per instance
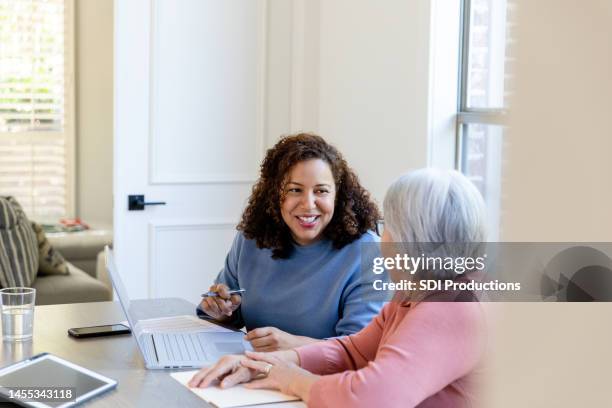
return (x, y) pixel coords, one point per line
(308, 200)
(422, 353)
(309, 158)
(298, 253)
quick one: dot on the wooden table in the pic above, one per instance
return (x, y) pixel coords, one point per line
(116, 357)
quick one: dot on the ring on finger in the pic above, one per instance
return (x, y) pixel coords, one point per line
(267, 368)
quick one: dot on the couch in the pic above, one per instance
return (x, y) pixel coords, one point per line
(88, 280)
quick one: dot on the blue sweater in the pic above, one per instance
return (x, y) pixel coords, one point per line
(319, 291)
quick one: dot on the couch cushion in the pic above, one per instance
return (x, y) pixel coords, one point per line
(18, 246)
(50, 262)
(82, 245)
(77, 287)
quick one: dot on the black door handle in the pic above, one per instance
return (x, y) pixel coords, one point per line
(137, 203)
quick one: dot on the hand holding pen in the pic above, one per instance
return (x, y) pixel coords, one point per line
(220, 302)
(231, 292)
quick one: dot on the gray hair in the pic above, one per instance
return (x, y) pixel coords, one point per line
(435, 206)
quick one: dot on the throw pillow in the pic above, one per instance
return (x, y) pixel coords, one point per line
(50, 262)
(18, 246)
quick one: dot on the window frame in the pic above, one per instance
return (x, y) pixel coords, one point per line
(474, 116)
(466, 115)
(70, 105)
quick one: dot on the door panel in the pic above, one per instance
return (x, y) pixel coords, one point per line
(204, 87)
(203, 246)
(189, 87)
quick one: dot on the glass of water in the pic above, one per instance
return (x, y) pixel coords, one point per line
(17, 313)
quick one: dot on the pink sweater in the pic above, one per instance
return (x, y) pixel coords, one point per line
(408, 355)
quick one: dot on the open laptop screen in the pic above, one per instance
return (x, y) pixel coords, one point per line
(122, 293)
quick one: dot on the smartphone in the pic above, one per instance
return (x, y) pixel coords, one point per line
(99, 331)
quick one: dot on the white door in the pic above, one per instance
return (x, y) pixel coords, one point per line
(188, 132)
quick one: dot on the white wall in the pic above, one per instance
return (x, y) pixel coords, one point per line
(278, 70)
(557, 184)
(359, 78)
(355, 72)
(557, 187)
(94, 110)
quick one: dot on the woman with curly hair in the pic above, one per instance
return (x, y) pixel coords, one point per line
(424, 352)
(298, 251)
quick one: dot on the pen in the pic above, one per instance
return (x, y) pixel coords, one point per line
(215, 294)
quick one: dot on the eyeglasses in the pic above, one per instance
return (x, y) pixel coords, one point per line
(380, 227)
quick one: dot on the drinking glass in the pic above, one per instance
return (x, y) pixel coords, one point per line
(17, 306)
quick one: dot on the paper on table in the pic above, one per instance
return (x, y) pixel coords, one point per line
(179, 324)
(237, 396)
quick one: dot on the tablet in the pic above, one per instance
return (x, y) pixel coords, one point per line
(45, 380)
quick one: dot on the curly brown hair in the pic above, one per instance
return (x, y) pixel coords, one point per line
(354, 212)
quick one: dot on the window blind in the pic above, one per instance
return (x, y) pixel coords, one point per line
(34, 135)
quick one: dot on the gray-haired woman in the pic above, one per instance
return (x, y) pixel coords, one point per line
(435, 215)
(413, 353)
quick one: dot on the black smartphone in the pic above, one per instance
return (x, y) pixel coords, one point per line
(99, 331)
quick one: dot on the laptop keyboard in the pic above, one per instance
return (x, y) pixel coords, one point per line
(180, 347)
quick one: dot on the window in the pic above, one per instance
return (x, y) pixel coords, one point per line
(36, 106)
(483, 98)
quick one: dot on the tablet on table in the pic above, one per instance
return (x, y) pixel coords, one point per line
(45, 380)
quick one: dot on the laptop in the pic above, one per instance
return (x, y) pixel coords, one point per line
(168, 339)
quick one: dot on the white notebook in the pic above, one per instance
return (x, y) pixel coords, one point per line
(237, 396)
